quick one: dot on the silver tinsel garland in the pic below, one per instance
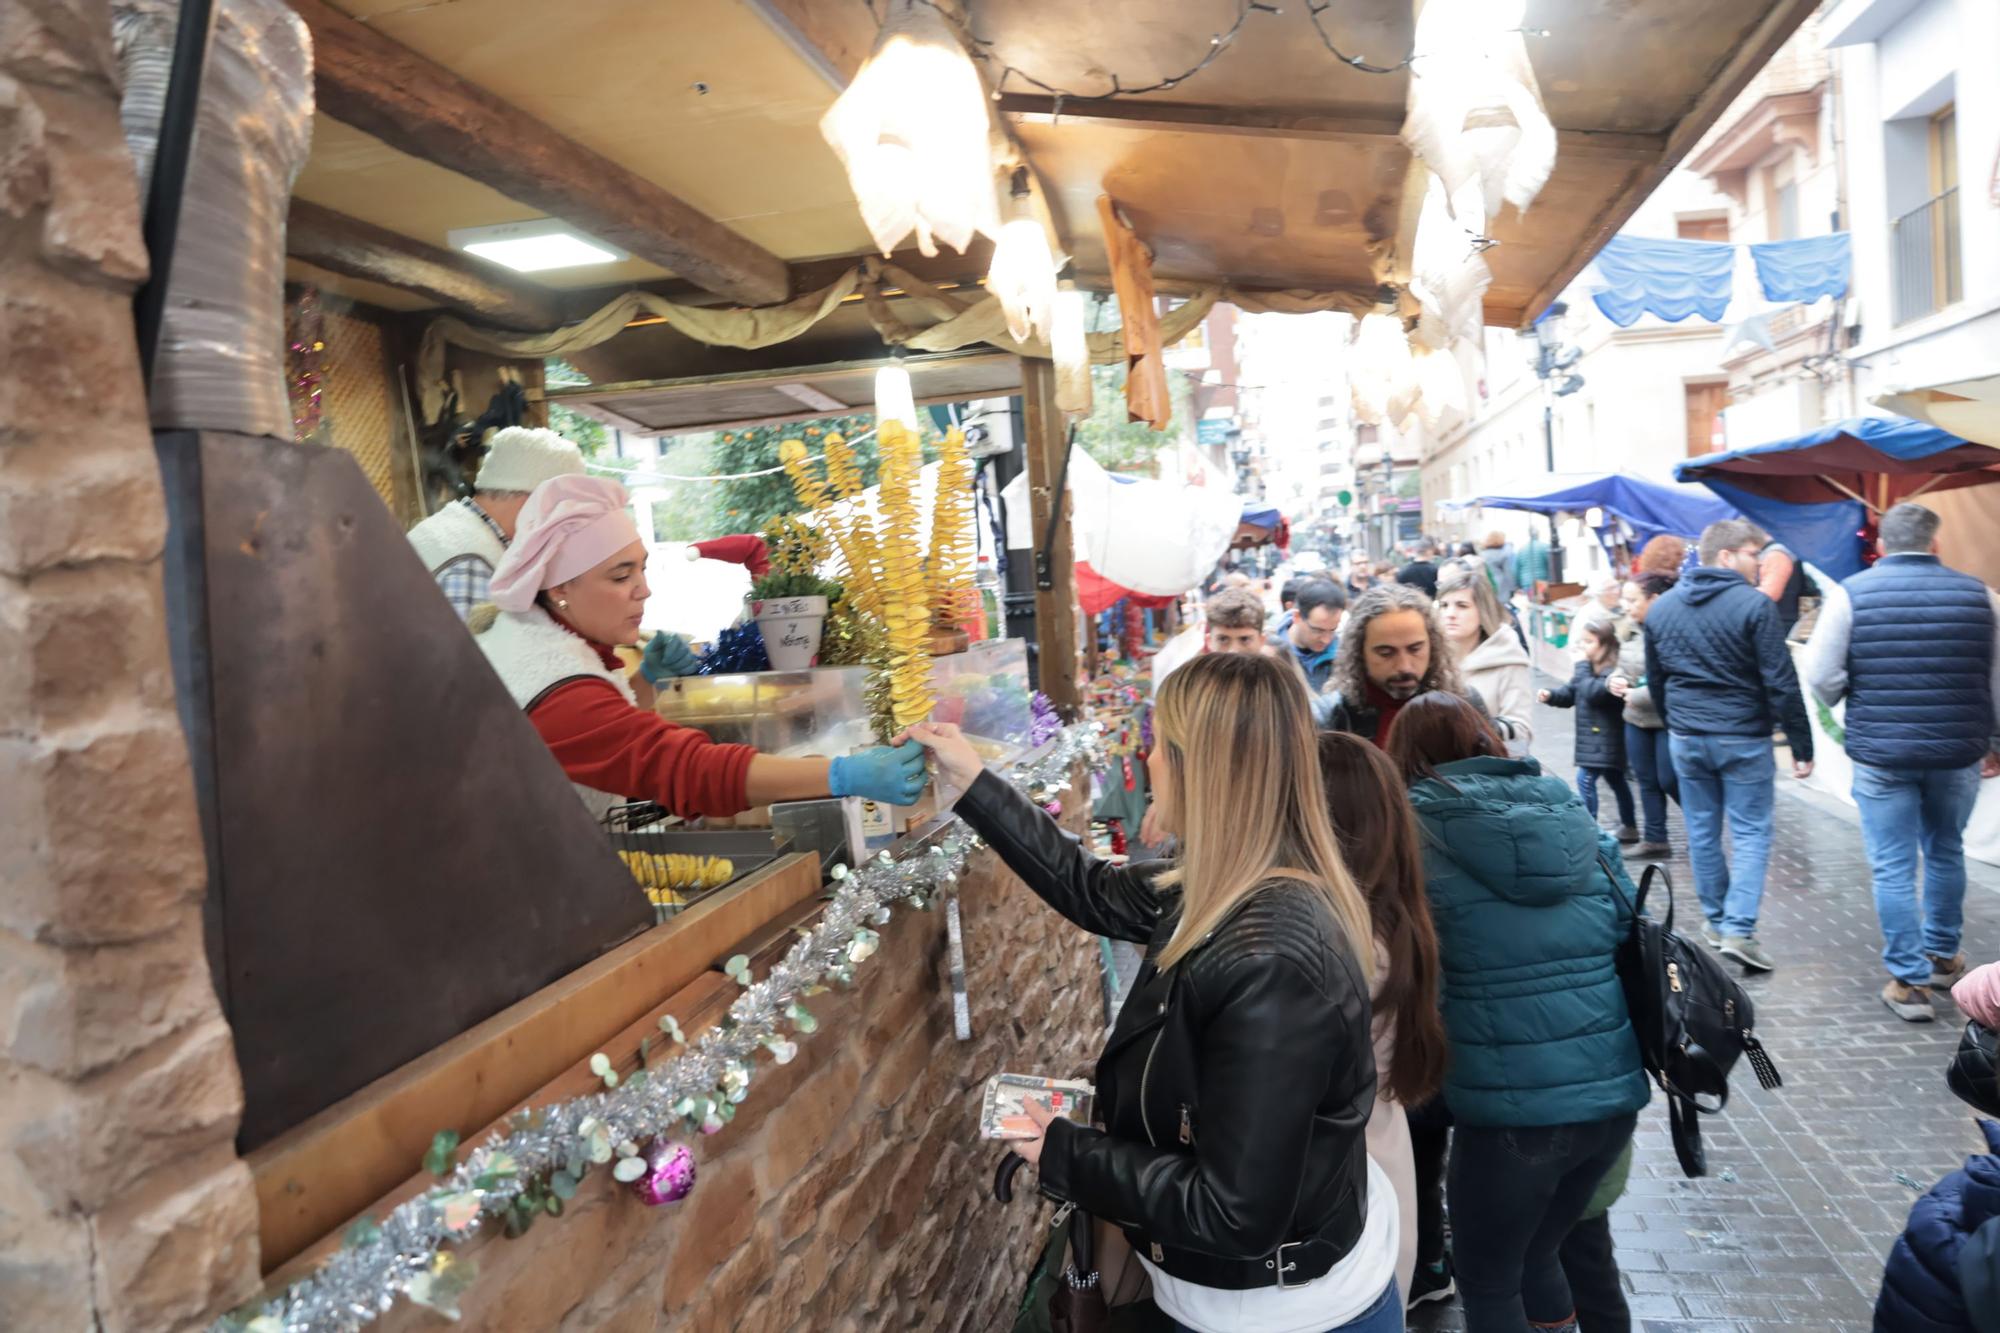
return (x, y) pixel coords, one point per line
(405, 1255)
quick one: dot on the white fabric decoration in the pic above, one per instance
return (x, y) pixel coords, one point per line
(912, 131)
(1380, 367)
(1023, 276)
(1475, 112)
(1449, 275)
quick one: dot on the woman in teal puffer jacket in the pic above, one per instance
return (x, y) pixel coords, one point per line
(1544, 1081)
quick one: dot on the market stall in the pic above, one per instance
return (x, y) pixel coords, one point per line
(457, 1008)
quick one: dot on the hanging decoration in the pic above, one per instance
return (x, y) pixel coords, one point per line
(1147, 397)
(895, 399)
(1804, 269)
(546, 1152)
(1668, 278)
(1475, 113)
(913, 131)
(1069, 343)
(1023, 272)
(1449, 275)
(1379, 366)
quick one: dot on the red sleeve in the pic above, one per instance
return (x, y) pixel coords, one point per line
(747, 550)
(604, 742)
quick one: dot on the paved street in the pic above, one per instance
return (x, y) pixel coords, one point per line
(1809, 1184)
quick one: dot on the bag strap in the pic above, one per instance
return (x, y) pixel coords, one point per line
(1656, 870)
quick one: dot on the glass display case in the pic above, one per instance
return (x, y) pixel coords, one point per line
(825, 711)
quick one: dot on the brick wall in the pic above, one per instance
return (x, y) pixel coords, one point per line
(851, 1191)
(122, 1203)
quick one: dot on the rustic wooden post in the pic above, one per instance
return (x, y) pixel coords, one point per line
(1047, 431)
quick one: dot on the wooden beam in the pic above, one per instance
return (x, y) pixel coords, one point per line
(1261, 122)
(365, 79)
(357, 249)
(1047, 431)
(1718, 91)
(833, 39)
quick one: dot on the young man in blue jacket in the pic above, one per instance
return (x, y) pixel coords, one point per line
(1914, 648)
(1721, 675)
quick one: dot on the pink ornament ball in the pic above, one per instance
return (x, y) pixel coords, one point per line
(669, 1174)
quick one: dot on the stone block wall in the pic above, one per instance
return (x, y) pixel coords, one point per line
(852, 1190)
(122, 1203)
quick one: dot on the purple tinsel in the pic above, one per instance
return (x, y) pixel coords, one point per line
(1043, 723)
(738, 648)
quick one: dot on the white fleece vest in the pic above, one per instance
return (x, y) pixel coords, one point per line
(452, 532)
(532, 653)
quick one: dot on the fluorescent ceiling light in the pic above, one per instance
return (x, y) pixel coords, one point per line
(532, 247)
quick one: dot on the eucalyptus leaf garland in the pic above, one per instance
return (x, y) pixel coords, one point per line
(537, 1166)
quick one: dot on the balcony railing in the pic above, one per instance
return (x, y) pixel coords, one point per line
(1924, 248)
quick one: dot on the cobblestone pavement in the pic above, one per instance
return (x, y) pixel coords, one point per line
(1809, 1184)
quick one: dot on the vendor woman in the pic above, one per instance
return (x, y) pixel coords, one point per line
(572, 584)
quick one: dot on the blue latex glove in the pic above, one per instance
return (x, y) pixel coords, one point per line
(893, 775)
(666, 657)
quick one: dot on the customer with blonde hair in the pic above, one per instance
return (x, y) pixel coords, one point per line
(1491, 657)
(1236, 1086)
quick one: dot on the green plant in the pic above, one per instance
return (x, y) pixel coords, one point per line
(795, 584)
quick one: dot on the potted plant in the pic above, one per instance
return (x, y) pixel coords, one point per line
(790, 602)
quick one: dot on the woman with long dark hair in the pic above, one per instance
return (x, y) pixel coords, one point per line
(1378, 836)
(1545, 1082)
(1237, 1083)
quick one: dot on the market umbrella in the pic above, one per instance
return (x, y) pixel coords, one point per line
(1966, 405)
(1818, 492)
(1648, 508)
(1874, 461)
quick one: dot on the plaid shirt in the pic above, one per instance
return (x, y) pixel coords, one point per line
(465, 580)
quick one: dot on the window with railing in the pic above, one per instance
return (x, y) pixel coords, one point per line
(1924, 244)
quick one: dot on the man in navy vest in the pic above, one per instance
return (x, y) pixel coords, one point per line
(1914, 648)
(1721, 675)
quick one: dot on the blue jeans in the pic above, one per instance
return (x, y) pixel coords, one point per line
(1384, 1316)
(1902, 810)
(1651, 751)
(1733, 778)
(1515, 1194)
(1621, 791)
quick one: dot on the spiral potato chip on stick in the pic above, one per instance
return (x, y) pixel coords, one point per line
(906, 608)
(815, 495)
(950, 565)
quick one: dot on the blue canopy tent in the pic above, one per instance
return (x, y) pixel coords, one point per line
(1647, 508)
(1818, 492)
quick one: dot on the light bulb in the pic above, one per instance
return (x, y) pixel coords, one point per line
(894, 400)
(1023, 276)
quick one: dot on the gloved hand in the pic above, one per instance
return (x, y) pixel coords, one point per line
(666, 657)
(893, 775)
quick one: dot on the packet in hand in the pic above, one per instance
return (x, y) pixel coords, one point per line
(1004, 1112)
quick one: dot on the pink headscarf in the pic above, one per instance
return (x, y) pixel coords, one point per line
(569, 526)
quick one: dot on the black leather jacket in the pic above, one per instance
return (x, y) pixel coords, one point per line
(1236, 1086)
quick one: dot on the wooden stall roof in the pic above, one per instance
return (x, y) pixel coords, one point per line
(1276, 166)
(804, 393)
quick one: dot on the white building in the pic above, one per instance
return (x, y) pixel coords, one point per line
(1294, 407)
(1919, 85)
(1650, 397)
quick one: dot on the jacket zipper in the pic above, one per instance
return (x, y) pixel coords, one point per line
(1187, 1125)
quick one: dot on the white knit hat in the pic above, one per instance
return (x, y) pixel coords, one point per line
(520, 458)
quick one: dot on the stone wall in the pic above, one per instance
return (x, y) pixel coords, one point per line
(852, 1190)
(122, 1202)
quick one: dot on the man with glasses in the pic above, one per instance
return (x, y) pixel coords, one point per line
(1310, 636)
(1720, 674)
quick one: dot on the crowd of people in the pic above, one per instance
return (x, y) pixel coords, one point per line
(1380, 987)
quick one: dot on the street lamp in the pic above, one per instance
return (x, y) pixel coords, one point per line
(1553, 359)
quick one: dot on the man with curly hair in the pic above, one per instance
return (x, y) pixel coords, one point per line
(1391, 651)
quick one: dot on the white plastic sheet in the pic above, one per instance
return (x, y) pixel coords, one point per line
(1154, 537)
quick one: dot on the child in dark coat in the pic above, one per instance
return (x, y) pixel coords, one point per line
(1600, 725)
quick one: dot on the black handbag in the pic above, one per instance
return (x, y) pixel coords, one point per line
(1066, 1292)
(1692, 1019)
(1975, 1068)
